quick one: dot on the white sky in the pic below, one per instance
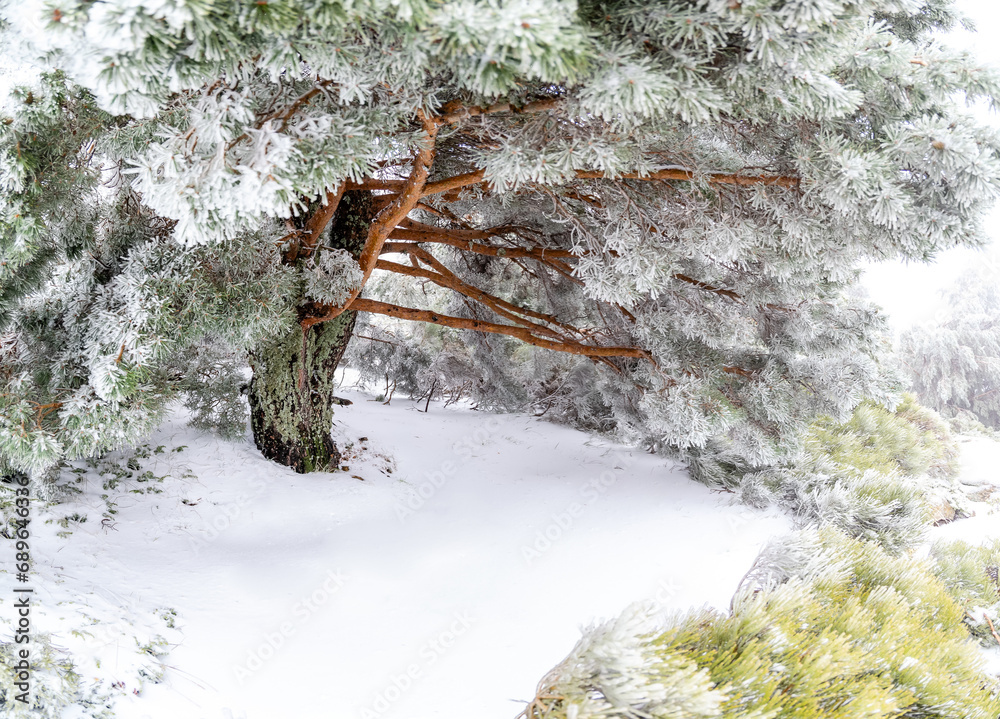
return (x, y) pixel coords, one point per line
(911, 292)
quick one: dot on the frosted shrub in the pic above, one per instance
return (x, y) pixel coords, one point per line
(888, 509)
(617, 671)
(55, 685)
(823, 627)
(873, 477)
(213, 384)
(970, 573)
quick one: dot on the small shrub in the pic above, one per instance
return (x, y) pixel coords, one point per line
(875, 477)
(912, 440)
(964, 422)
(888, 509)
(212, 384)
(825, 626)
(617, 671)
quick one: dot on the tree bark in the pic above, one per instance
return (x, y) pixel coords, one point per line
(291, 419)
(292, 390)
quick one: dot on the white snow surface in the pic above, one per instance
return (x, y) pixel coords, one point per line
(440, 576)
(979, 466)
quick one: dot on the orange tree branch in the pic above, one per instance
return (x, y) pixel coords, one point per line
(453, 283)
(589, 199)
(464, 233)
(387, 219)
(521, 333)
(545, 256)
(739, 371)
(446, 237)
(429, 259)
(371, 183)
(454, 183)
(463, 239)
(715, 178)
(307, 238)
(709, 288)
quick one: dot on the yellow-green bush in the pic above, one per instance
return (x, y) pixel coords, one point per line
(971, 575)
(827, 627)
(873, 477)
(885, 508)
(912, 440)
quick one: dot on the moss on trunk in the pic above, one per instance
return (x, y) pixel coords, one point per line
(291, 395)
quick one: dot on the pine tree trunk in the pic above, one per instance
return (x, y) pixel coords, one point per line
(292, 390)
(291, 395)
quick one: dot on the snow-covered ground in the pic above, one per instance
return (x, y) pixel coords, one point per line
(980, 467)
(441, 575)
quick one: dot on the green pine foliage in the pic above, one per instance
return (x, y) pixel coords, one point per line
(888, 509)
(825, 627)
(970, 573)
(910, 440)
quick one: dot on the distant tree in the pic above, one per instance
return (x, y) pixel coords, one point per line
(954, 361)
(677, 193)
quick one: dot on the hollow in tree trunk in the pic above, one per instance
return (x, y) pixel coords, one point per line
(292, 390)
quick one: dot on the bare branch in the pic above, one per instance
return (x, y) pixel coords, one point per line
(308, 237)
(715, 178)
(446, 278)
(709, 288)
(499, 306)
(521, 333)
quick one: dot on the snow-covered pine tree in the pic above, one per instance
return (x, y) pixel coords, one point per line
(677, 191)
(954, 360)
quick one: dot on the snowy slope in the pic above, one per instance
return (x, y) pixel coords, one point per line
(440, 576)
